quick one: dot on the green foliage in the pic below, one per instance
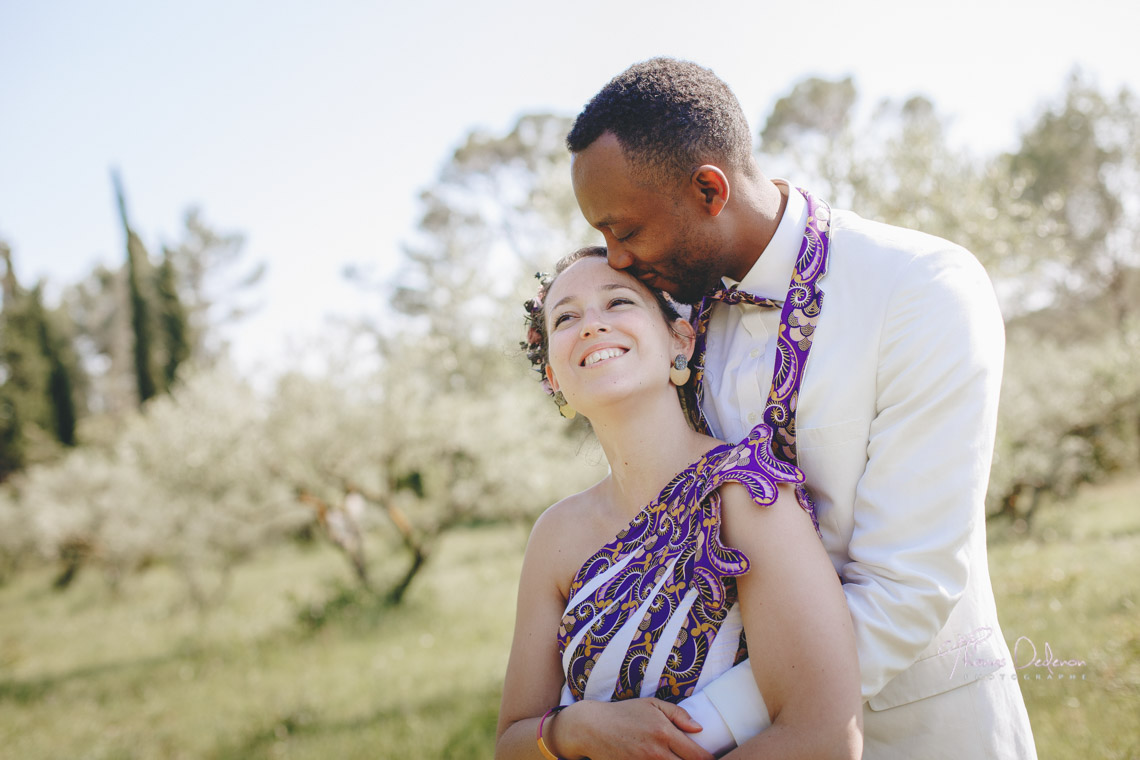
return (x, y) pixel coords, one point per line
(85, 509)
(201, 447)
(172, 317)
(38, 375)
(145, 383)
(893, 164)
(98, 308)
(427, 447)
(1081, 397)
(62, 395)
(12, 447)
(26, 372)
(1071, 398)
(53, 333)
(811, 132)
(814, 106)
(188, 483)
(1076, 177)
(192, 297)
(502, 207)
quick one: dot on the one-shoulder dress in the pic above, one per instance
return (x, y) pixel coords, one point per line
(653, 612)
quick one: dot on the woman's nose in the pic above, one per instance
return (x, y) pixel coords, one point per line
(592, 324)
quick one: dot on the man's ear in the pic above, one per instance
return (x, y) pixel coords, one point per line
(711, 184)
(684, 337)
(550, 378)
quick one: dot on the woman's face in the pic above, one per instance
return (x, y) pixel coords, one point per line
(606, 335)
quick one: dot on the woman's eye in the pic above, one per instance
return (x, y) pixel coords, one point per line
(620, 302)
(561, 318)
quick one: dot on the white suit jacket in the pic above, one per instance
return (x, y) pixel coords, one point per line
(895, 434)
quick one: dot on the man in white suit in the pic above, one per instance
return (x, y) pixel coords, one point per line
(895, 417)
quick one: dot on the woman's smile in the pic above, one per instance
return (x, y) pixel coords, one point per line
(601, 354)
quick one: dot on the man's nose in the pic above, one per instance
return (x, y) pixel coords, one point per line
(617, 258)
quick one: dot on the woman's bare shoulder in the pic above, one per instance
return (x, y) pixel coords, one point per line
(570, 511)
(565, 535)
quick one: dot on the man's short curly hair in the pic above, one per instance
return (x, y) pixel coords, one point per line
(669, 117)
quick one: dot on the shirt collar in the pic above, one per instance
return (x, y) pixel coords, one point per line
(770, 275)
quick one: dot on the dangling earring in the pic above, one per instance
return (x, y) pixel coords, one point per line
(679, 375)
(564, 407)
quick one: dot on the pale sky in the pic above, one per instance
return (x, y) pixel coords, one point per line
(312, 127)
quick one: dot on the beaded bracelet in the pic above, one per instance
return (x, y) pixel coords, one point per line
(541, 744)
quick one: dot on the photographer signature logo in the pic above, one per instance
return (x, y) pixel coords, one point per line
(1025, 656)
(969, 653)
(965, 650)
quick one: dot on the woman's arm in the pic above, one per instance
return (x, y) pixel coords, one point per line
(800, 639)
(636, 728)
(534, 674)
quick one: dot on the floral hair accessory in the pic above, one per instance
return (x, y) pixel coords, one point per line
(535, 343)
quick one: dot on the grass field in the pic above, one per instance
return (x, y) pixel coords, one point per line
(92, 674)
(1074, 585)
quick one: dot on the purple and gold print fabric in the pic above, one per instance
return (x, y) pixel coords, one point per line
(667, 581)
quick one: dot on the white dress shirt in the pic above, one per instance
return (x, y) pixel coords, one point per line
(741, 351)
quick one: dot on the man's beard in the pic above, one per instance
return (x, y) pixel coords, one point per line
(692, 273)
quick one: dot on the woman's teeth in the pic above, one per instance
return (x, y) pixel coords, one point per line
(601, 355)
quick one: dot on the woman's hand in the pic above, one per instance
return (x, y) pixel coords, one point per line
(632, 729)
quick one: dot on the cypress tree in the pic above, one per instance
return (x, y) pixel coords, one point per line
(62, 392)
(25, 369)
(38, 378)
(60, 385)
(173, 320)
(12, 452)
(137, 270)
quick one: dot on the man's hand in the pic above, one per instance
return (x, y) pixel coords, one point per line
(631, 729)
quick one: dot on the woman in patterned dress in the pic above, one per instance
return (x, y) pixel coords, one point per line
(634, 596)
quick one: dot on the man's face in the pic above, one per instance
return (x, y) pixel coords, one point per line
(662, 236)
